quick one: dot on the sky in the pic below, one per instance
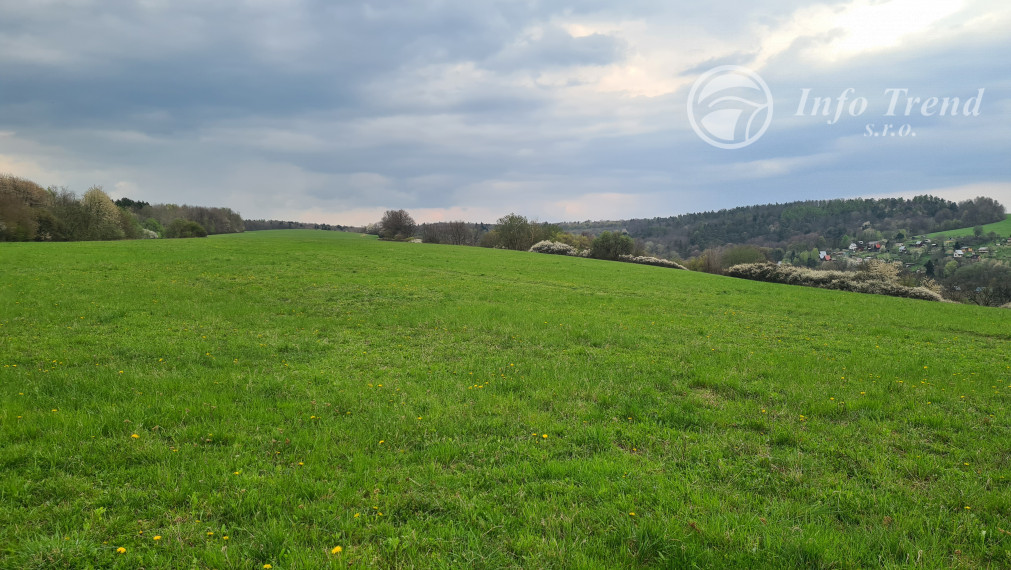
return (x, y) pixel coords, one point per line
(334, 112)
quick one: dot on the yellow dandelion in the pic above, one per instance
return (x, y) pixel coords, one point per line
(122, 550)
(224, 537)
(381, 441)
(210, 534)
(357, 515)
(157, 537)
(336, 550)
(545, 436)
(267, 566)
(632, 514)
(135, 436)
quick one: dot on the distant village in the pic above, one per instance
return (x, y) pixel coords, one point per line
(915, 254)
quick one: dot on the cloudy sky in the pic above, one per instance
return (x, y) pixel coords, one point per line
(471, 109)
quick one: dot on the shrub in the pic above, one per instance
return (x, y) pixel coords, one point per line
(553, 247)
(859, 282)
(180, 228)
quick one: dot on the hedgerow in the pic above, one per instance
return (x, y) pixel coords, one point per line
(873, 282)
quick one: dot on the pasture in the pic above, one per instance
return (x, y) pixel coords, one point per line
(309, 399)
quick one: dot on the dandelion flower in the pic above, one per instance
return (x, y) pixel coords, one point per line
(632, 514)
(267, 566)
(122, 550)
(224, 537)
(135, 436)
(157, 537)
(336, 550)
(545, 436)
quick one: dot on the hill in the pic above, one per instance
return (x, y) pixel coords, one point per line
(263, 398)
(800, 226)
(1001, 228)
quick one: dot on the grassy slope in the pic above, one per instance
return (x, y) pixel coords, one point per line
(1002, 228)
(298, 391)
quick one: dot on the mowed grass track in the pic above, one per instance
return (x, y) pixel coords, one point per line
(299, 391)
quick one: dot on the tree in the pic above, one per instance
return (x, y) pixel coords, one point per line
(977, 231)
(739, 254)
(929, 268)
(103, 215)
(611, 245)
(180, 228)
(514, 232)
(950, 268)
(397, 224)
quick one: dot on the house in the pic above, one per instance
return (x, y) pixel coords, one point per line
(919, 244)
(828, 257)
(958, 253)
(853, 246)
(902, 249)
(821, 255)
(984, 250)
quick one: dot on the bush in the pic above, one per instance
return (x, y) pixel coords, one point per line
(553, 247)
(857, 282)
(611, 245)
(180, 228)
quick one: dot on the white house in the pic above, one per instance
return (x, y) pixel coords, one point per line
(959, 253)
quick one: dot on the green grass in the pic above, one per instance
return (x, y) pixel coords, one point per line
(296, 391)
(1002, 229)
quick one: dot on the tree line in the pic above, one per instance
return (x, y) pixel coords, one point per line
(29, 212)
(800, 226)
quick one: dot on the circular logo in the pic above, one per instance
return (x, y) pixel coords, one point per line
(730, 106)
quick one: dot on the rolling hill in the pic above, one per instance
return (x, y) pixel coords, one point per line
(1002, 229)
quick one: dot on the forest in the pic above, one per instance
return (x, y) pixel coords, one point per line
(29, 212)
(821, 224)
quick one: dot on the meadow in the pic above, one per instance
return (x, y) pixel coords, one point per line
(1002, 229)
(308, 399)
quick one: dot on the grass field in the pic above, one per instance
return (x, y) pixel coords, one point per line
(1002, 229)
(263, 398)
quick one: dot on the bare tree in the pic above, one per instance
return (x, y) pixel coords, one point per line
(397, 224)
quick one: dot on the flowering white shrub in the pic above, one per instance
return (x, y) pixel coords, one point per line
(553, 247)
(646, 260)
(859, 282)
